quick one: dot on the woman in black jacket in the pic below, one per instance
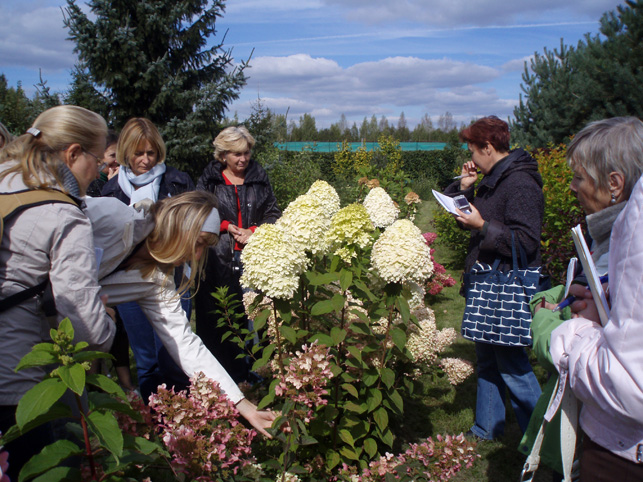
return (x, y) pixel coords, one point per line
(508, 198)
(246, 201)
(144, 175)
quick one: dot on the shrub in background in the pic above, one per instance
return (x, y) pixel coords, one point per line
(562, 211)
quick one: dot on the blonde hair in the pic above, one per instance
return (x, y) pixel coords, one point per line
(138, 129)
(59, 127)
(232, 139)
(5, 136)
(178, 224)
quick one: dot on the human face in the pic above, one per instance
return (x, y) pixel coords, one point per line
(83, 163)
(144, 158)
(591, 199)
(109, 158)
(482, 157)
(199, 249)
(237, 161)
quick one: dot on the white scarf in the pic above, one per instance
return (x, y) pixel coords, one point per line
(148, 183)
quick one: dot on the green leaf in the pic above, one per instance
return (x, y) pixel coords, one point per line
(37, 358)
(307, 440)
(322, 307)
(381, 418)
(345, 279)
(360, 328)
(261, 319)
(370, 446)
(374, 399)
(355, 352)
(350, 389)
(399, 337)
(80, 346)
(353, 407)
(73, 376)
(322, 339)
(91, 355)
(38, 400)
(66, 327)
(332, 459)
(337, 334)
(387, 437)
(365, 290)
(105, 426)
(48, 458)
(317, 279)
(349, 454)
(403, 305)
(370, 377)
(59, 473)
(388, 377)
(346, 436)
(43, 347)
(105, 384)
(334, 262)
(396, 398)
(144, 446)
(289, 333)
(338, 301)
(57, 410)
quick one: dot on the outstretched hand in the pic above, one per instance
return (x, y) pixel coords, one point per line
(259, 419)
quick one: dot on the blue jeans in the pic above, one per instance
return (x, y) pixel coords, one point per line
(154, 365)
(499, 368)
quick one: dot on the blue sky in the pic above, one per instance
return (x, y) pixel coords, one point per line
(352, 57)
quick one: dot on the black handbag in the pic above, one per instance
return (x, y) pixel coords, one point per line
(497, 302)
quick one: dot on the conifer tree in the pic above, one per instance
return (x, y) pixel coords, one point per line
(151, 58)
(566, 89)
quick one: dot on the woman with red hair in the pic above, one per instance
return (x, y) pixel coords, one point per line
(508, 199)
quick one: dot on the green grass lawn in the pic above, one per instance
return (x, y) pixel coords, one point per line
(441, 408)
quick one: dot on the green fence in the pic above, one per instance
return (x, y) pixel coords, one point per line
(370, 146)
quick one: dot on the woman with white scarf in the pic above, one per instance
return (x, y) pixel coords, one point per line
(144, 175)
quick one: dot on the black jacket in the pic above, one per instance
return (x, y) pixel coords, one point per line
(258, 206)
(510, 197)
(173, 182)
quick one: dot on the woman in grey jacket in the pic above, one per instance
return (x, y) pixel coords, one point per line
(60, 152)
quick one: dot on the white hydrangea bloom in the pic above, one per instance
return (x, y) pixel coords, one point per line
(326, 196)
(417, 294)
(272, 263)
(381, 208)
(350, 227)
(456, 369)
(307, 222)
(401, 255)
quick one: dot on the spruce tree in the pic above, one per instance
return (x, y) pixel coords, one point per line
(150, 58)
(566, 89)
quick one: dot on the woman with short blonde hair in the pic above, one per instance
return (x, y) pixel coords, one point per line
(232, 139)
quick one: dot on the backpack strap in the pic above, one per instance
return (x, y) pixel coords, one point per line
(13, 203)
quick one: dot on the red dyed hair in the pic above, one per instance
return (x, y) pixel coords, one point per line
(488, 129)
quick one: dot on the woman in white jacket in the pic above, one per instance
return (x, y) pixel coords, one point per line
(604, 364)
(183, 227)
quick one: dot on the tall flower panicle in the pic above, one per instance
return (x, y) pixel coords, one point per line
(326, 196)
(306, 377)
(350, 228)
(401, 255)
(307, 222)
(272, 263)
(201, 430)
(381, 208)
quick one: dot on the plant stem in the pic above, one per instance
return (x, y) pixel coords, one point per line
(88, 447)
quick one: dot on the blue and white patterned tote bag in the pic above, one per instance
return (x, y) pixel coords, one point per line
(497, 302)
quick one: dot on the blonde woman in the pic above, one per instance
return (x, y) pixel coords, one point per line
(184, 227)
(143, 174)
(54, 240)
(246, 201)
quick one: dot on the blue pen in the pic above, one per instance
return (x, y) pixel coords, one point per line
(570, 299)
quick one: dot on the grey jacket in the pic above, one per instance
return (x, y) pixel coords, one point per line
(52, 240)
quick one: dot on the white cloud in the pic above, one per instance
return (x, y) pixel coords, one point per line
(517, 65)
(34, 38)
(468, 12)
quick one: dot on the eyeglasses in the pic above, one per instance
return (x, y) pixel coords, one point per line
(99, 160)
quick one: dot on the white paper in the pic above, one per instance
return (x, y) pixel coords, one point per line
(589, 268)
(571, 271)
(446, 202)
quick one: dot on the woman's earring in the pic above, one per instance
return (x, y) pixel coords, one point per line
(613, 201)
